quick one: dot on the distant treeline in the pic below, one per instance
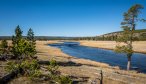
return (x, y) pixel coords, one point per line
(40, 38)
(140, 35)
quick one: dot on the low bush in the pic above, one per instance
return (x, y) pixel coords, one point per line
(53, 67)
(30, 68)
(64, 80)
(12, 65)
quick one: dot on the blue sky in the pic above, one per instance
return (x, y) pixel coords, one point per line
(65, 17)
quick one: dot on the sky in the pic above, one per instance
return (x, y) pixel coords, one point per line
(65, 17)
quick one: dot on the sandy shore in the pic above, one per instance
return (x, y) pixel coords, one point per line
(86, 69)
(138, 46)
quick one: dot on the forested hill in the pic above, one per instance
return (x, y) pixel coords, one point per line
(139, 31)
(138, 35)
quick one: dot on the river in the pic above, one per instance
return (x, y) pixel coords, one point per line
(104, 56)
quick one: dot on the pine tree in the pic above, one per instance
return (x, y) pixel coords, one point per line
(30, 35)
(23, 48)
(128, 25)
(31, 39)
(16, 41)
(18, 35)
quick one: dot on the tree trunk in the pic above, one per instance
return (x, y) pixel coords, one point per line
(129, 63)
(101, 79)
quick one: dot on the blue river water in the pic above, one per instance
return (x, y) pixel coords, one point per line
(103, 55)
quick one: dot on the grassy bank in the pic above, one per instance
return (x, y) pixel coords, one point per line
(138, 46)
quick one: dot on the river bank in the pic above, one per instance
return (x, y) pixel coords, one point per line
(138, 46)
(87, 69)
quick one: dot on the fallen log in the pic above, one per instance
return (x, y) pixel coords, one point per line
(6, 57)
(2, 58)
(5, 79)
(44, 62)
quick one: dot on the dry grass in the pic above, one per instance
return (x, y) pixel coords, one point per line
(138, 46)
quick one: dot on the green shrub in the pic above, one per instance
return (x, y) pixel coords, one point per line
(24, 49)
(4, 47)
(64, 80)
(34, 74)
(29, 67)
(30, 50)
(53, 67)
(12, 66)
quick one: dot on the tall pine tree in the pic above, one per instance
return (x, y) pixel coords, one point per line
(127, 37)
(15, 41)
(31, 40)
(18, 35)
